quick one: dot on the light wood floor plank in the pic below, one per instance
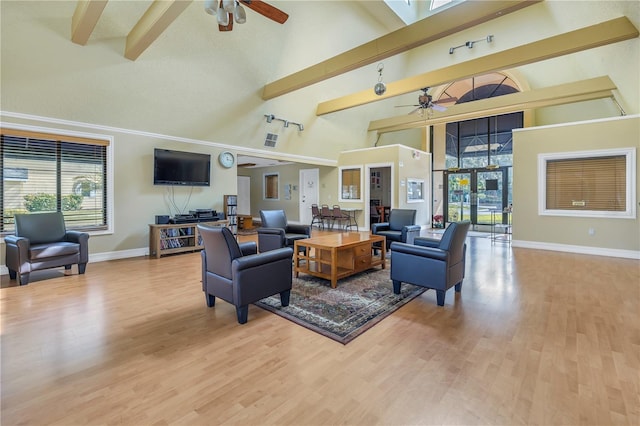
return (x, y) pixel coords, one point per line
(535, 337)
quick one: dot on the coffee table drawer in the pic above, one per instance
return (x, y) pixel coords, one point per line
(362, 262)
(362, 250)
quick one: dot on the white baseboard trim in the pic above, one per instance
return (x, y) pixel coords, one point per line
(103, 257)
(122, 254)
(596, 251)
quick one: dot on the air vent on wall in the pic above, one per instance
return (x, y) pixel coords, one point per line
(271, 140)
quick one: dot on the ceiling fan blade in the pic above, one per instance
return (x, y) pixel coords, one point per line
(447, 100)
(438, 107)
(266, 10)
(400, 106)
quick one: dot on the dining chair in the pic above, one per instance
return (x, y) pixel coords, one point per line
(340, 216)
(316, 216)
(327, 215)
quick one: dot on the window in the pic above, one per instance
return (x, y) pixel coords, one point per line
(350, 184)
(415, 190)
(271, 186)
(588, 183)
(44, 172)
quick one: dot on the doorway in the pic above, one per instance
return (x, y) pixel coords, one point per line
(379, 192)
(473, 194)
(309, 193)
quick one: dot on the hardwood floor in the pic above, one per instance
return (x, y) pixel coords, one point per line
(535, 337)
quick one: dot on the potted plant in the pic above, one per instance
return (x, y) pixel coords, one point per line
(437, 221)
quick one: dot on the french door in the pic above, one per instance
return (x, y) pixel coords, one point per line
(472, 194)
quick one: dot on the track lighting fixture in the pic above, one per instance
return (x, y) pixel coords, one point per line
(271, 117)
(380, 87)
(470, 44)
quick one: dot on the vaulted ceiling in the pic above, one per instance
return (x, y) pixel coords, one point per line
(161, 13)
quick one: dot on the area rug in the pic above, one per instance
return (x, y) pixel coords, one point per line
(343, 313)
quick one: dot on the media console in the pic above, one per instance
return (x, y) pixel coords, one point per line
(177, 237)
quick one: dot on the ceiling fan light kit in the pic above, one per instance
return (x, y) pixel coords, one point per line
(239, 14)
(211, 7)
(228, 11)
(228, 5)
(470, 43)
(380, 87)
(222, 17)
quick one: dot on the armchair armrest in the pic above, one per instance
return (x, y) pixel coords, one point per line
(426, 242)
(409, 232)
(271, 231)
(270, 239)
(248, 248)
(299, 229)
(18, 241)
(17, 252)
(261, 275)
(81, 238)
(425, 252)
(253, 260)
(377, 227)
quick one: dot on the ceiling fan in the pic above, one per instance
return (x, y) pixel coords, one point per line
(227, 11)
(426, 103)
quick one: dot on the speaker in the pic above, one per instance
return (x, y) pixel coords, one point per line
(162, 219)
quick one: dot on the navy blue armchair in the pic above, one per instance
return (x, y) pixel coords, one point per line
(238, 274)
(275, 232)
(401, 227)
(430, 263)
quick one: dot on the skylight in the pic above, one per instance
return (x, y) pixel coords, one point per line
(437, 3)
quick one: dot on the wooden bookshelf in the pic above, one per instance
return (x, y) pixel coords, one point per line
(177, 238)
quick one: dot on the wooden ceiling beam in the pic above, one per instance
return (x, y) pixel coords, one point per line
(601, 34)
(85, 19)
(155, 20)
(452, 20)
(584, 90)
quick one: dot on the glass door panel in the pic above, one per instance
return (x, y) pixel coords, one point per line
(490, 194)
(458, 197)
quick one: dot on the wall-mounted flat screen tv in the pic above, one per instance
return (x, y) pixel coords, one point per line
(181, 168)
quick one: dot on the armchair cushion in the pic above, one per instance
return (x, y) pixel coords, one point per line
(41, 241)
(437, 267)
(237, 274)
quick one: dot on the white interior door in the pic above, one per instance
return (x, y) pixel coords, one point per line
(309, 193)
(244, 195)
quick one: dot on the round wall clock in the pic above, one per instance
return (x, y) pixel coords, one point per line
(226, 159)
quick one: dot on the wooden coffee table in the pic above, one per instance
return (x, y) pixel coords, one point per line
(338, 256)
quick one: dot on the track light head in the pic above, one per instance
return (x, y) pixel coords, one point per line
(301, 127)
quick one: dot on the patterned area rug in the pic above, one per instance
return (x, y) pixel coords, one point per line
(343, 313)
